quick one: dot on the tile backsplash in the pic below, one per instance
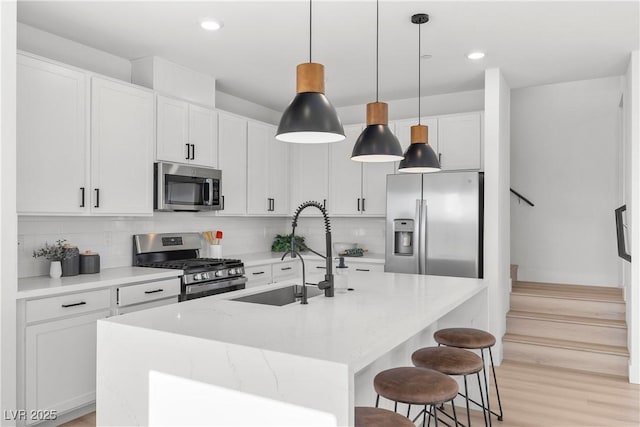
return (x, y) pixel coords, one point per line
(111, 237)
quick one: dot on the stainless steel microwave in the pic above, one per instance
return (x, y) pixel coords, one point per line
(186, 188)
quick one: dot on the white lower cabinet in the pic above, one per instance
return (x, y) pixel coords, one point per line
(60, 363)
(258, 275)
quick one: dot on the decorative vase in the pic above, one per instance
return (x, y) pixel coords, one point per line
(55, 270)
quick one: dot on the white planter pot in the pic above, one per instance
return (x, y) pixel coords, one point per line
(55, 270)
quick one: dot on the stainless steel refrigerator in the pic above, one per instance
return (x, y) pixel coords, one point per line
(434, 224)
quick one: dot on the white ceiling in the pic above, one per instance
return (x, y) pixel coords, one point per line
(255, 54)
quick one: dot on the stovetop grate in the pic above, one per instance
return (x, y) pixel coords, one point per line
(201, 264)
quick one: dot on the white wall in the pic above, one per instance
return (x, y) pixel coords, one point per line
(496, 200)
(112, 237)
(631, 197)
(448, 103)
(564, 158)
(8, 219)
(242, 107)
(45, 44)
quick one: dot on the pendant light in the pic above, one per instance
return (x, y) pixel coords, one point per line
(419, 157)
(310, 118)
(377, 143)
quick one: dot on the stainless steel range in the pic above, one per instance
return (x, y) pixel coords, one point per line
(202, 276)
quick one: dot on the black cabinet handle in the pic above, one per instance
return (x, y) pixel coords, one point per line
(188, 152)
(153, 292)
(285, 268)
(324, 203)
(362, 269)
(363, 205)
(193, 151)
(257, 273)
(222, 208)
(324, 268)
(273, 205)
(358, 204)
(82, 197)
(97, 198)
(73, 305)
(440, 159)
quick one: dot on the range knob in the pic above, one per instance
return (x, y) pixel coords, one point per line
(197, 276)
(219, 273)
(232, 271)
(204, 276)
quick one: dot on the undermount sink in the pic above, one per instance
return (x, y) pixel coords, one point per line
(281, 296)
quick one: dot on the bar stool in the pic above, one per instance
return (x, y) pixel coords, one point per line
(452, 361)
(416, 386)
(378, 417)
(473, 339)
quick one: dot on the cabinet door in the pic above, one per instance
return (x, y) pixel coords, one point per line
(258, 169)
(51, 136)
(232, 157)
(310, 176)
(172, 127)
(60, 363)
(345, 175)
(279, 172)
(403, 133)
(203, 134)
(121, 149)
(459, 139)
(374, 187)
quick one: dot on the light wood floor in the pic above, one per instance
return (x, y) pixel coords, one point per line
(535, 396)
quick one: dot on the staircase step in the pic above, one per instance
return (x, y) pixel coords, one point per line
(581, 292)
(569, 306)
(599, 358)
(560, 326)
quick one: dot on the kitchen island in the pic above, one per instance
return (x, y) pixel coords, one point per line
(322, 355)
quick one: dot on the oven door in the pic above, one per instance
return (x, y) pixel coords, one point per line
(186, 188)
(204, 289)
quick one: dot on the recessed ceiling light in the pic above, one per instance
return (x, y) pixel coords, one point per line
(211, 25)
(476, 55)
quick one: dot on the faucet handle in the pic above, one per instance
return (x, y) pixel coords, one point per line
(324, 284)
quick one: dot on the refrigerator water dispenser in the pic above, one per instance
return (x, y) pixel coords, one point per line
(403, 242)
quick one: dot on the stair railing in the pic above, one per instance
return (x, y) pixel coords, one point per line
(521, 197)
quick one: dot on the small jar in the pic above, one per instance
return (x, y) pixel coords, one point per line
(71, 263)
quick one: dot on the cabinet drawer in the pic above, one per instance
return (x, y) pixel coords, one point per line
(258, 275)
(65, 305)
(135, 294)
(358, 266)
(286, 270)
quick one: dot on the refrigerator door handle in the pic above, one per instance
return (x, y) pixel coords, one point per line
(422, 245)
(417, 238)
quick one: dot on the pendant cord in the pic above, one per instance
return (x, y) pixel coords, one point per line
(310, 23)
(419, 46)
(377, 44)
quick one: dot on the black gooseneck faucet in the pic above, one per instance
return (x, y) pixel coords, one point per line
(327, 283)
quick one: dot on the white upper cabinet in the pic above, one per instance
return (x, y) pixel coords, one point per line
(186, 133)
(52, 141)
(345, 175)
(232, 157)
(357, 188)
(460, 141)
(267, 171)
(121, 148)
(309, 179)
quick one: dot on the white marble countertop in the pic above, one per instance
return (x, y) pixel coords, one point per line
(40, 286)
(260, 258)
(353, 328)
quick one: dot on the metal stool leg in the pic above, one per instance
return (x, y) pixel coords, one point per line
(453, 406)
(484, 411)
(495, 381)
(435, 414)
(486, 386)
(408, 410)
(395, 406)
(466, 398)
(377, 400)
(425, 413)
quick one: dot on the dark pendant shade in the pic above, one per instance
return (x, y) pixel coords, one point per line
(310, 119)
(377, 144)
(419, 158)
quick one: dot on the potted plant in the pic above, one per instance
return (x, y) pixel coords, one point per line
(283, 243)
(55, 253)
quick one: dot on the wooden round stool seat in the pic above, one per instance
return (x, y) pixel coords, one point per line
(415, 386)
(464, 338)
(377, 417)
(448, 360)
